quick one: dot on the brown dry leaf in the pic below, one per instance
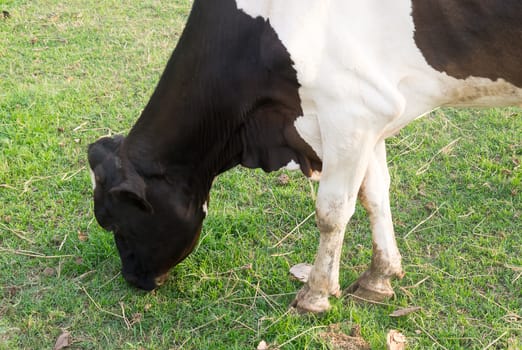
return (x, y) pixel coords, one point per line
(301, 271)
(246, 267)
(395, 340)
(341, 341)
(405, 311)
(283, 179)
(262, 345)
(12, 291)
(49, 271)
(136, 318)
(63, 341)
(82, 236)
(506, 172)
(431, 206)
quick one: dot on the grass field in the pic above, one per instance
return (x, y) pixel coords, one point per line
(72, 71)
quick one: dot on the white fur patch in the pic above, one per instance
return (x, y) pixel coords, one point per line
(93, 179)
(308, 128)
(292, 165)
(205, 208)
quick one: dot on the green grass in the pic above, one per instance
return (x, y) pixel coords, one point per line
(73, 71)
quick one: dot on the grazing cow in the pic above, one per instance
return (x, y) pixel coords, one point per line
(313, 84)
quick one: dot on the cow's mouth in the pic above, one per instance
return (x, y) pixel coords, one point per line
(147, 283)
(161, 279)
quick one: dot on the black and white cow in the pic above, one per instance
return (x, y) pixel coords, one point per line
(314, 84)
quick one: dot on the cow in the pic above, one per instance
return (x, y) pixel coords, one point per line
(310, 84)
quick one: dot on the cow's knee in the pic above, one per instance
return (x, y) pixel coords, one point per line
(333, 213)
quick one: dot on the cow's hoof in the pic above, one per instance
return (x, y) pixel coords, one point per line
(308, 302)
(372, 290)
(369, 295)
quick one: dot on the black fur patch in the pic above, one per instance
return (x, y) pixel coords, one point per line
(471, 37)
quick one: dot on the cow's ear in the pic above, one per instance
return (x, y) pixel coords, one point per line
(96, 154)
(103, 147)
(134, 192)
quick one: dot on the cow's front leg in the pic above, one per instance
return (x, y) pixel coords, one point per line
(323, 280)
(375, 283)
(336, 199)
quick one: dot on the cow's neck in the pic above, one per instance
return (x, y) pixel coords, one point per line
(214, 81)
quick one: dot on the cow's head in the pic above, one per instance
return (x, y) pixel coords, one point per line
(156, 220)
